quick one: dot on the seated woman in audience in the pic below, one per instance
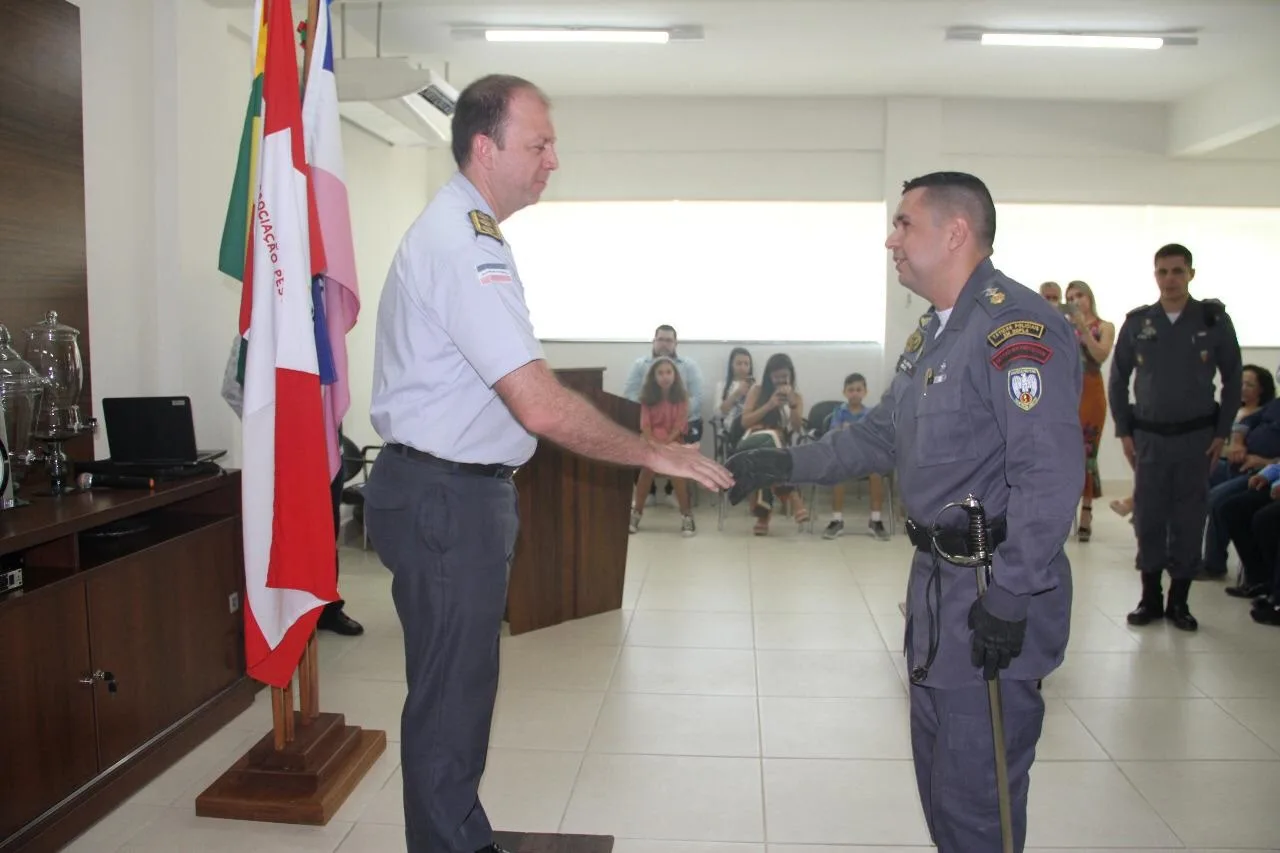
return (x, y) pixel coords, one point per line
(772, 416)
(732, 395)
(664, 418)
(1257, 390)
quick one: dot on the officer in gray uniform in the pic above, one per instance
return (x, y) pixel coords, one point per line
(984, 402)
(1173, 430)
(460, 389)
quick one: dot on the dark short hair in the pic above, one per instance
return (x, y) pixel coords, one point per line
(665, 328)
(1266, 383)
(482, 111)
(1174, 250)
(854, 377)
(960, 192)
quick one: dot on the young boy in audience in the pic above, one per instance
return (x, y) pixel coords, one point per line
(855, 391)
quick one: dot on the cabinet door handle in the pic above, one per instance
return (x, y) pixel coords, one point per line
(100, 675)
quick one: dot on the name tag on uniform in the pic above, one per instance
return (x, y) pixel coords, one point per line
(1147, 333)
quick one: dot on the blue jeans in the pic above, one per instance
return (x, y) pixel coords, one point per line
(1216, 539)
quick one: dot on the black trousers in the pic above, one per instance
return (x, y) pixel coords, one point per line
(335, 495)
(448, 539)
(954, 754)
(1171, 501)
(1252, 520)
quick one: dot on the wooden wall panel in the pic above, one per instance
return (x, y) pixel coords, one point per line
(42, 232)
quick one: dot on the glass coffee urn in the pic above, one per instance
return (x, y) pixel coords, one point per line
(21, 390)
(53, 350)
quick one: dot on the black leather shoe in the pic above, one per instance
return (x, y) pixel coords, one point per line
(492, 848)
(1248, 590)
(1176, 610)
(1146, 612)
(1180, 616)
(340, 623)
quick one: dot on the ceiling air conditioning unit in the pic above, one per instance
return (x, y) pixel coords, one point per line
(396, 101)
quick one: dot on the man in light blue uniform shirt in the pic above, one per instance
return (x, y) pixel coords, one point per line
(460, 392)
(664, 344)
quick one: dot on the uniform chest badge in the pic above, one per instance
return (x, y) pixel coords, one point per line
(485, 225)
(915, 341)
(1140, 359)
(1024, 387)
(1204, 356)
(994, 295)
(1147, 333)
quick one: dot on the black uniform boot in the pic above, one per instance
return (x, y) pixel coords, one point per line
(1178, 611)
(1151, 607)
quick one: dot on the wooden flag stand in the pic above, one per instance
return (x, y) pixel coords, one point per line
(304, 769)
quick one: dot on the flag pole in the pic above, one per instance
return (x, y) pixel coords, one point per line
(308, 668)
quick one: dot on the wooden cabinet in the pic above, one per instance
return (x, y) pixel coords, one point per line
(49, 749)
(124, 649)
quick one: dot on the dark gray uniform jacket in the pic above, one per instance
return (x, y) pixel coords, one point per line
(989, 408)
(1176, 364)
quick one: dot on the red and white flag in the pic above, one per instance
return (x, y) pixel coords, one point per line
(288, 522)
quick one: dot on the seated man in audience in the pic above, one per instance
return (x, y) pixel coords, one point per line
(664, 346)
(1255, 443)
(855, 391)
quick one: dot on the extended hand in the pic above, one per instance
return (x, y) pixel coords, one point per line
(687, 461)
(995, 642)
(753, 470)
(1258, 482)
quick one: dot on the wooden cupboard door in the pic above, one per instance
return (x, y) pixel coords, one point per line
(151, 616)
(47, 740)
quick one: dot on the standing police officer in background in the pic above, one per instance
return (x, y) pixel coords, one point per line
(985, 402)
(1174, 431)
(460, 390)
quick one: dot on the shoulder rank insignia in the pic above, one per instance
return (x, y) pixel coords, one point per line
(1024, 387)
(915, 341)
(1016, 329)
(994, 295)
(485, 225)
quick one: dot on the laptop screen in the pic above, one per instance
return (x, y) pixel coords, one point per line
(150, 429)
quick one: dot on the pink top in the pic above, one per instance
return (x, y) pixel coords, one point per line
(665, 420)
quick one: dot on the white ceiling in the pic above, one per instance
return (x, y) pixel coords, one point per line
(836, 47)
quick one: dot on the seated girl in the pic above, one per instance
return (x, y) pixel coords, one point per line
(772, 416)
(664, 419)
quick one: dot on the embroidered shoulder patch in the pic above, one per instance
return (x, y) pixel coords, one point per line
(485, 225)
(1024, 387)
(1036, 352)
(1016, 329)
(915, 341)
(494, 274)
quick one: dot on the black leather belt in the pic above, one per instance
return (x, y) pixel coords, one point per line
(497, 472)
(953, 540)
(1179, 428)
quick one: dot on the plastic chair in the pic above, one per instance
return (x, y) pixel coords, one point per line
(356, 462)
(818, 424)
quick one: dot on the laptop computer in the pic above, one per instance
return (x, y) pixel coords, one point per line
(153, 432)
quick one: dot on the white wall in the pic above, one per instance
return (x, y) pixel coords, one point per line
(159, 158)
(165, 88)
(862, 149)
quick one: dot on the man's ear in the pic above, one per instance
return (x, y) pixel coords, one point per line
(958, 232)
(482, 150)
(1191, 274)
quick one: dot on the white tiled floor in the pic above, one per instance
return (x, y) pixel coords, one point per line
(750, 695)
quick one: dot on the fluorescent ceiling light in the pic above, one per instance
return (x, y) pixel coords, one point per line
(1063, 40)
(579, 35)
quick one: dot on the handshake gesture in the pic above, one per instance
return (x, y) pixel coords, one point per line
(753, 470)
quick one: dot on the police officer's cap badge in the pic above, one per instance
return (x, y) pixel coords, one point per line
(994, 295)
(1024, 387)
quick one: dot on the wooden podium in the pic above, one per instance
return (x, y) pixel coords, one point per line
(571, 555)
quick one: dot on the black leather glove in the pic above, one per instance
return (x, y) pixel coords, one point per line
(996, 641)
(753, 470)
